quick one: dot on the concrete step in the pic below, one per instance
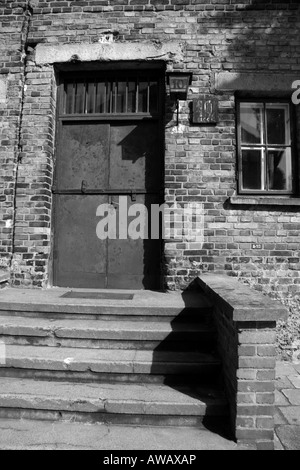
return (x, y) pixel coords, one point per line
(145, 305)
(126, 403)
(107, 361)
(144, 360)
(106, 334)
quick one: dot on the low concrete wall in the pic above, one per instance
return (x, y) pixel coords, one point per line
(246, 322)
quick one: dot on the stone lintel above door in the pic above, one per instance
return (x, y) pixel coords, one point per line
(115, 51)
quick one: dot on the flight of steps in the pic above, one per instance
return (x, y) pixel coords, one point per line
(111, 363)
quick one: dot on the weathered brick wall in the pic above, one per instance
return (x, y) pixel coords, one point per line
(260, 38)
(248, 356)
(246, 323)
(14, 18)
(32, 240)
(256, 383)
(220, 35)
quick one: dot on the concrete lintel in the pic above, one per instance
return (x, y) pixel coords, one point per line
(117, 51)
(3, 88)
(259, 82)
(242, 302)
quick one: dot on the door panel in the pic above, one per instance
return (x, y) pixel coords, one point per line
(80, 257)
(135, 158)
(83, 155)
(134, 263)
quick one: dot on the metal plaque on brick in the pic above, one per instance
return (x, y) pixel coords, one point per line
(205, 110)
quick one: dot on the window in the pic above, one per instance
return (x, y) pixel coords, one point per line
(265, 148)
(126, 95)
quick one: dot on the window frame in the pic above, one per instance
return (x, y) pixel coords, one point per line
(264, 145)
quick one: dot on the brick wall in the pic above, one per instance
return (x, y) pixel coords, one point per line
(220, 35)
(33, 213)
(256, 383)
(246, 322)
(14, 17)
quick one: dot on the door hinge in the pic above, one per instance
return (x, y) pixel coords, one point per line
(83, 186)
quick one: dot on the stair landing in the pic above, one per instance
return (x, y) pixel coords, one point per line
(54, 300)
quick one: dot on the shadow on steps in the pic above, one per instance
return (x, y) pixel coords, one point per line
(189, 361)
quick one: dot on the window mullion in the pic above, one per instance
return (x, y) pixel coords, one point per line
(265, 150)
(137, 96)
(148, 96)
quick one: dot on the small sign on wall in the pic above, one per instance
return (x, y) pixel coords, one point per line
(256, 246)
(205, 110)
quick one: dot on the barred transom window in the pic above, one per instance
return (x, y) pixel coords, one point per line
(265, 147)
(126, 95)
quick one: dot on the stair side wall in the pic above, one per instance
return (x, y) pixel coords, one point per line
(248, 353)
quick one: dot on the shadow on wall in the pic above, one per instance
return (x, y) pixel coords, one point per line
(258, 35)
(262, 38)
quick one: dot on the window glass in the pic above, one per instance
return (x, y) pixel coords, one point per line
(131, 103)
(90, 97)
(280, 169)
(79, 98)
(69, 97)
(277, 124)
(251, 123)
(121, 97)
(143, 97)
(252, 169)
(100, 98)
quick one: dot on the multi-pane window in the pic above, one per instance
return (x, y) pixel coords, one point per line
(265, 148)
(126, 95)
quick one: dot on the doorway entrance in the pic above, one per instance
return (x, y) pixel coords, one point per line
(109, 151)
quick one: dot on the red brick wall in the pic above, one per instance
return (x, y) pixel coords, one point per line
(220, 35)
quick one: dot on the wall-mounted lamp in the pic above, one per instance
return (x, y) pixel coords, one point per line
(178, 86)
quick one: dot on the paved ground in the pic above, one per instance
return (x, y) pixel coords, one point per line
(287, 417)
(37, 435)
(16, 434)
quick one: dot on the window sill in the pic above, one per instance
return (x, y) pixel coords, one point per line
(264, 200)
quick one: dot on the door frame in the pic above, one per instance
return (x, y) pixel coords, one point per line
(155, 69)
